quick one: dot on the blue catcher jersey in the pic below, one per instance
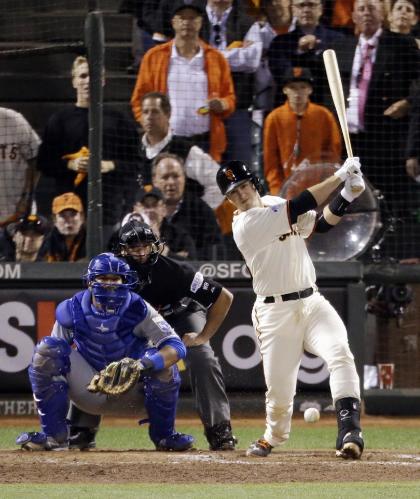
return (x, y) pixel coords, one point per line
(101, 340)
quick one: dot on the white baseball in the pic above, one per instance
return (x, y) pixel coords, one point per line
(311, 415)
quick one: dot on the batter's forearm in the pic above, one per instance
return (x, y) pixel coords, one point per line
(323, 190)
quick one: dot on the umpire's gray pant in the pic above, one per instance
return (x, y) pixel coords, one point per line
(206, 375)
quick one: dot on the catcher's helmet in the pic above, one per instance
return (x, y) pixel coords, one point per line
(134, 233)
(110, 297)
(233, 174)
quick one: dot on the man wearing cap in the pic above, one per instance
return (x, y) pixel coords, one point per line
(21, 241)
(197, 79)
(303, 47)
(66, 242)
(298, 130)
(178, 243)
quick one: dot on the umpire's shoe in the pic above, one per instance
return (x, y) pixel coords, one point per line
(82, 438)
(177, 442)
(38, 441)
(351, 446)
(220, 436)
(260, 448)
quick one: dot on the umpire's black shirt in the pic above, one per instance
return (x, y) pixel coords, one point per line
(167, 282)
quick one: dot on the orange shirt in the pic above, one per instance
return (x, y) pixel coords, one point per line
(153, 75)
(320, 141)
(342, 13)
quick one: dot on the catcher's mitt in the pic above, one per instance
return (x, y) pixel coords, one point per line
(117, 378)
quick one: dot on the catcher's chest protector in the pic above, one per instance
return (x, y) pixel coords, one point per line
(103, 340)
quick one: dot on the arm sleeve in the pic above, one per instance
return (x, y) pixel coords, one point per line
(227, 91)
(154, 327)
(244, 59)
(143, 84)
(301, 204)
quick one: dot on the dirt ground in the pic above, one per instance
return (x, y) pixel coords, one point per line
(106, 466)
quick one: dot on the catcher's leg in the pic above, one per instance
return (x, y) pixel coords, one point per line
(47, 374)
(160, 399)
(83, 428)
(207, 384)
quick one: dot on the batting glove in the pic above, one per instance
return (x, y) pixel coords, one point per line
(351, 165)
(353, 187)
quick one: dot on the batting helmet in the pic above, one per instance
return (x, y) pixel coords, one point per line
(110, 297)
(233, 174)
(135, 232)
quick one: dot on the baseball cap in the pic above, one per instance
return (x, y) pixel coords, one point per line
(178, 6)
(149, 190)
(37, 223)
(297, 74)
(67, 201)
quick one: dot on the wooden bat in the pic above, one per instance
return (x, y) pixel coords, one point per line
(336, 89)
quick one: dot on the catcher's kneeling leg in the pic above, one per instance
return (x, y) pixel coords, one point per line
(161, 397)
(47, 374)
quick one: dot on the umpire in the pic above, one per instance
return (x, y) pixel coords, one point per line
(195, 307)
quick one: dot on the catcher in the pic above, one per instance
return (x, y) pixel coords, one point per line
(123, 361)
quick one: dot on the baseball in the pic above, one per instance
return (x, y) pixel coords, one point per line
(311, 415)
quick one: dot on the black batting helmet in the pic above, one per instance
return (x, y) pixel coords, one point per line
(233, 174)
(135, 232)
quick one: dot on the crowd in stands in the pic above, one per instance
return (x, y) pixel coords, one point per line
(205, 69)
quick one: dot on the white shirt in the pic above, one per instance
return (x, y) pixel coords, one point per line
(353, 106)
(241, 59)
(275, 252)
(188, 91)
(198, 166)
(18, 144)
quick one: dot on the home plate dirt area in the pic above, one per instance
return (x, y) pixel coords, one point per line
(102, 466)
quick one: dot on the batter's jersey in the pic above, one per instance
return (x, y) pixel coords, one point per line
(18, 144)
(274, 250)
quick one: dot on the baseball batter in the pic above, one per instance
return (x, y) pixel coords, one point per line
(289, 314)
(123, 361)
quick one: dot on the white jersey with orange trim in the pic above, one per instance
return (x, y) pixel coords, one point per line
(275, 250)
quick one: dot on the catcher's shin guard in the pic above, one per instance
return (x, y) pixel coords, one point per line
(349, 442)
(160, 401)
(50, 364)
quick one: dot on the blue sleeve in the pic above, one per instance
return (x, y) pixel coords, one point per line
(177, 345)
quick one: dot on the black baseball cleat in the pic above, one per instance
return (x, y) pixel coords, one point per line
(259, 448)
(220, 437)
(351, 446)
(82, 438)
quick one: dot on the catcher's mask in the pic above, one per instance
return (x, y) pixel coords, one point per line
(136, 233)
(110, 296)
(233, 174)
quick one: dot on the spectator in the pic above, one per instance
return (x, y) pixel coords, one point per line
(227, 28)
(403, 16)
(185, 209)
(64, 153)
(197, 79)
(157, 138)
(21, 241)
(377, 69)
(18, 148)
(303, 47)
(275, 20)
(66, 242)
(177, 241)
(298, 130)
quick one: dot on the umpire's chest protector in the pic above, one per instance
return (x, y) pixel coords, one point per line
(101, 340)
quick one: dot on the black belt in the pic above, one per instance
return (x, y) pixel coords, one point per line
(291, 296)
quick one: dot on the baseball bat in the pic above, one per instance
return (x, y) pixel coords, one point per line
(336, 89)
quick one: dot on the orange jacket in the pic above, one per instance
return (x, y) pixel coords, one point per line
(342, 13)
(152, 77)
(320, 140)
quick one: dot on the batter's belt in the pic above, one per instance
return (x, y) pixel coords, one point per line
(290, 296)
